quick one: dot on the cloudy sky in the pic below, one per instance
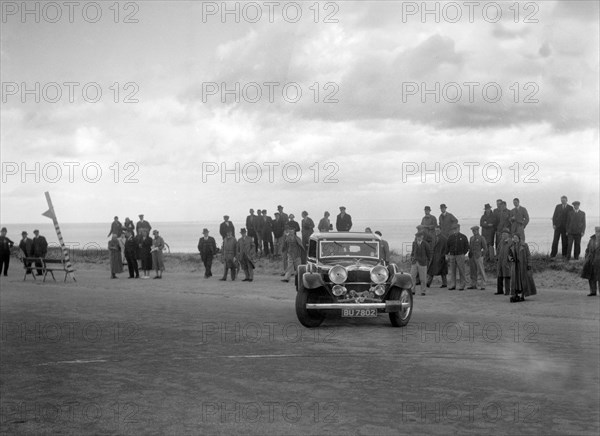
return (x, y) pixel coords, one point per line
(343, 104)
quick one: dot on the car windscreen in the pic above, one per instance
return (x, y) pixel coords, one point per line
(353, 249)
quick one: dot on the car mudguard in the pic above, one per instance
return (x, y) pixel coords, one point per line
(312, 280)
(402, 280)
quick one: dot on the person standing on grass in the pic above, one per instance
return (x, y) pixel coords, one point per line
(457, 247)
(5, 245)
(245, 253)
(488, 230)
(40, 249)
(116, 262)
(26, 246)
(267, 234)
(145, 252)
(278, 233)
(131, 254)
(446, 221)
(519, 218)
(502, 221)
(591, 266)
(293, 249)
(575, 230)
(559, 224)
(158, 244)
(229, 253)
(429, 223)
(226, 227)
(503, 264)
(207, 246)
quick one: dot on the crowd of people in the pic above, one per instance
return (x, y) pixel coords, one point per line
(439, 248)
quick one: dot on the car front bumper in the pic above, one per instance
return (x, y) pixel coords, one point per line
(388, 306)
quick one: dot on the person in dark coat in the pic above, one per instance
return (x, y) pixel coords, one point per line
(502, 220)
(128, 225)
(226, 226)
(559, 224)
(278, 233)
(293, 224)
(158, 264)
(438, 265)
(229, 253)
(343, 222)
(5, 245)
(521, 280)
(446, 221)
(429, 223)
(116, 261)
(503, 264)
(267, 234)
(519, 218)
(250, 220)
(420, 257)
(116, 228)
(245, 254)
(457, 247)
(26, 246)
(293, 249)
(575, 230)
(142, 224)
(131, 254)
(591, 266)
(308, 226)
(207, 247)
(488, 230)
(384, 248)
(40, 249)
(145, 252)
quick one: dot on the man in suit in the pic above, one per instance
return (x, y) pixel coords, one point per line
(446, 220)
(343, 222)
(26, 246)
(457, 247)
(40, 249)
(519, 218)
(5, 245)
(207, 247)
(250, 219)
(477, 250)
(259, 225)
(293, 250)
(502, 220)
(267, 234)
(226, 227)
(245, 253)
(308, 226)
(575, 230)
(131, 254)
(229, 253)
(437, 264)
(488, 230)
(419, 259)
(559, 224)
(384, 248)
(142, 224)
(278, 233)
(429, 223)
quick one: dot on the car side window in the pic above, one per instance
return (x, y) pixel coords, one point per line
(312, 249)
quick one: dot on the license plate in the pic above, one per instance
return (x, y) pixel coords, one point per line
(359, 313)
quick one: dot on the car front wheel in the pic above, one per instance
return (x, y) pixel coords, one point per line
(307, 317)
(401, 318)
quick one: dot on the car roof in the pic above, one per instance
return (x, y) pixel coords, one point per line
(345, 236)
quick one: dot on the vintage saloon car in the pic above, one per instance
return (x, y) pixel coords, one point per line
(345, 272)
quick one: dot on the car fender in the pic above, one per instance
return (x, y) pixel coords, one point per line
(312, 280)
(401, 280)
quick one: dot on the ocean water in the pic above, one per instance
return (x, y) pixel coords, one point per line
(182, 237)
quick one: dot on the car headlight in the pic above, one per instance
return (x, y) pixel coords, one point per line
(338, 274)
(379, 290)
(338, 290)
(379, 274)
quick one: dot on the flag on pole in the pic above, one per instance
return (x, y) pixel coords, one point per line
(52, 215)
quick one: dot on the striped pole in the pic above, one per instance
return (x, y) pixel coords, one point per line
(50, 214)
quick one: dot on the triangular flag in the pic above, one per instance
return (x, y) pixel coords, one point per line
(50, 214)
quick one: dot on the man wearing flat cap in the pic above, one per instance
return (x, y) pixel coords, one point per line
(245, 254)
(142, 224)
(559, 224)
(446, 220)
(26, 246)
(40, 249)
(575, 230)
(207, 247)
(457, 247)
(343, 222)
(477, 249)
(419, 259)
(488, 230)
(226, 226)
(429, 223)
